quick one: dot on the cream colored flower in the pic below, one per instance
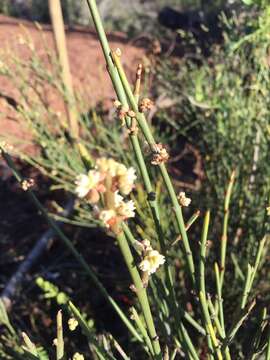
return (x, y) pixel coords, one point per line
(85, 183)
(78, 356)
(268, 210)
(107, 217)
(72, 324)
(126, 180)
(108, 166)
(151, 262)
(183, 200)
(126, 209)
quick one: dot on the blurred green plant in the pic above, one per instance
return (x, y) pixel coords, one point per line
(223, 109)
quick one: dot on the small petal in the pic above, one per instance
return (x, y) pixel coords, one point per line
(83, 185)
(126, 209)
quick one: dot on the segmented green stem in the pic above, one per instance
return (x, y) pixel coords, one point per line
(224, 237)
(219, 298)
(124, 92)
(140, 291)
(151, 141)
(203, 249)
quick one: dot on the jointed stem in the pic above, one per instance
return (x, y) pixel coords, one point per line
(140, 291)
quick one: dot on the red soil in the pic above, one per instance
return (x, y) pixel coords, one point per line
(87, 66)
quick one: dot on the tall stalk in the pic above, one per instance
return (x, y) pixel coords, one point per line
(140, 292)
(123, 91)
(61, 47)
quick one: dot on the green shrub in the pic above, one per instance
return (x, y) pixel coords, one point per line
(181, 285)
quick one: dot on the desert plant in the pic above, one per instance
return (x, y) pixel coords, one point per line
(179, 310)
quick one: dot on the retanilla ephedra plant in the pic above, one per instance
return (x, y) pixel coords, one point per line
(179, 314)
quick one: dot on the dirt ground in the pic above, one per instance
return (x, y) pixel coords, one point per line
(88, 68)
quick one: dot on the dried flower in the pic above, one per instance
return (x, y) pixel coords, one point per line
(151, 261)
(145, 104)
(78, 356)
(161, 155)
(72, 324)
(183, 200)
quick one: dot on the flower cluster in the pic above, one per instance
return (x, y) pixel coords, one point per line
(107, 182)
(72, 324)
(145, 104)
(160, 155)
(152, 259)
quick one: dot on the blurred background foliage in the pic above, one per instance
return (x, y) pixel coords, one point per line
(132, 17)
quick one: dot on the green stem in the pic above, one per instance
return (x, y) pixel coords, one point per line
(219, 298)
(121, 94)
(151, 141)
(224, 237)
(203, 248)
(140, 291)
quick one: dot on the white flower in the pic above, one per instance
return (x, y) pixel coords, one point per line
(105, 165)
(126, 209)
(72, 324)
(151, 262)
(107, 216)
(183, 200)
(85, 183)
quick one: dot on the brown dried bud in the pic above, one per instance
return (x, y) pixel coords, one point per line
(161, 155)
(145, 104)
